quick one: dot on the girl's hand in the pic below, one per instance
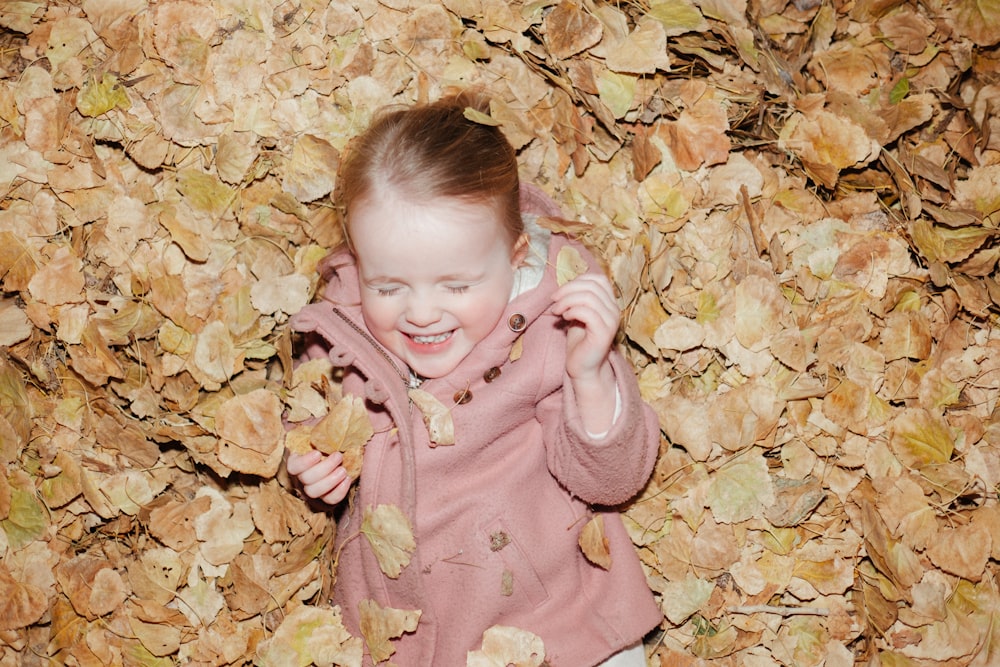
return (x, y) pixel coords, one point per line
(588, 304)
(322, 477)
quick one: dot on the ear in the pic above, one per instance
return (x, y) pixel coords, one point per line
(519, 251)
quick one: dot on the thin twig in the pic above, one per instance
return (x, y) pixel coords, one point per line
(780, 611)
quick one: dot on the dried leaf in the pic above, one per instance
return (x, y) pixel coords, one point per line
(569, 29)
(390, 536)
(14, 323)
(164, 182)
(60, 281)
(99, 97)
(312, 169)
(380, 624)
(346, 428)
(310, 635)
(594, 543)
(741, 489)
(437, 417)
(919, 439)
(23, 605)
(505, 645)
(569, 265)
(250, 433)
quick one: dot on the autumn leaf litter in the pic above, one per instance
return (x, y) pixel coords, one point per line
(797, 202)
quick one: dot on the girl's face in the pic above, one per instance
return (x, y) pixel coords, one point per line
(435, 276)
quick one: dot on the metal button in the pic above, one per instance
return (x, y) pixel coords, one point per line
(516, 322)
(492, 374)
(462, 396)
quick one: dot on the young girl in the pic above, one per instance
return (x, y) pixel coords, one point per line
(448, 284)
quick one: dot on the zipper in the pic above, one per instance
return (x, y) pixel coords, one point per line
(408, 382)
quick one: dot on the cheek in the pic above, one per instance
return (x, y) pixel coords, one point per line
(378, 313)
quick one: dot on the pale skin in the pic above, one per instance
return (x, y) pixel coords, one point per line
(418, 303)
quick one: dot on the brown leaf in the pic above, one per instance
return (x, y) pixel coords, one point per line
(381, 624)
(346, 428)
(569, 29)
(23, 604)
(250, 432)
(390, 536)
(963, 551)
(61, 280)
(437, 417)
(594, 543)
(645, 154)
(172, 523)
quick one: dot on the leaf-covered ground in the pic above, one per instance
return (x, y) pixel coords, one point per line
(799, 202)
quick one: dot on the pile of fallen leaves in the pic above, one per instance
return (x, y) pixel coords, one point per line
(798, 200)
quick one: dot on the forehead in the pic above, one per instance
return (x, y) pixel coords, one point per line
(399, 216)
(393, 232)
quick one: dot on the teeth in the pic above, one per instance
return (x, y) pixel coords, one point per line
(431, 339)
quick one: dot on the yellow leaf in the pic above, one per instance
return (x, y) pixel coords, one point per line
(569, 264)
(310, 635)
(683, 598)
(517, 349)
(477, 116)
(617, 91)
(677, 16)
(311, 172)
(389, 533)
(920, 439)
(204, 192)
(99, 97)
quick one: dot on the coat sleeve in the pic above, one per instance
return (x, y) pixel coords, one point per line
(613, 468)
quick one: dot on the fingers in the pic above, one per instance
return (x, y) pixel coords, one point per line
(589, 301)
(297, 463)
(588, 294)
(321, 477)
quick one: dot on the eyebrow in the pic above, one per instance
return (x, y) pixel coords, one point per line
(455, 277)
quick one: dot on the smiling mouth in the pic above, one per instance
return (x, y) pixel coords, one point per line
(430, 340)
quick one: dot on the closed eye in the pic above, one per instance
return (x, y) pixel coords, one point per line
(386, 291)
(458, 289)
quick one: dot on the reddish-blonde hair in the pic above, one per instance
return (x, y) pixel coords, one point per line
(434, 150)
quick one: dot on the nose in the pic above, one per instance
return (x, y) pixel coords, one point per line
(422, 310)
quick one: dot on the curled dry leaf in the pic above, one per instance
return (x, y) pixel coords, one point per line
(437, 417)
(594, 543)
(379, 625)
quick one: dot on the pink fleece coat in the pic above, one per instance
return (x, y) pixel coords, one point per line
(496, 516)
